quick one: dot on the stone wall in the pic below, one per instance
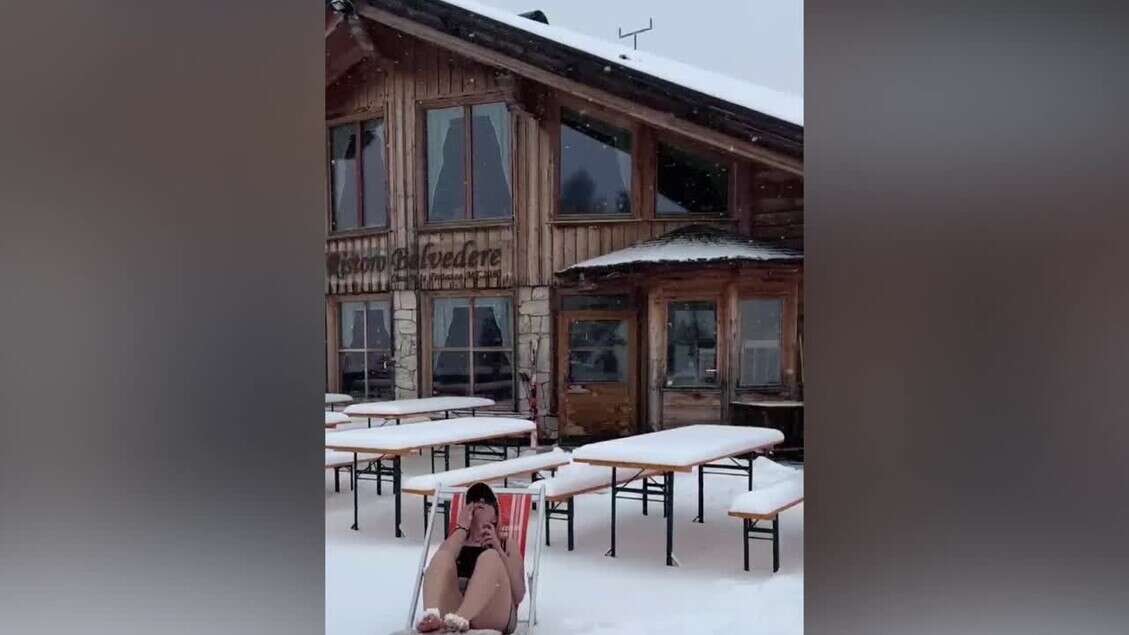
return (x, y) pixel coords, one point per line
(534, 355)
(405, 327)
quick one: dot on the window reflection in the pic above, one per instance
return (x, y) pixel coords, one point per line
(595, 166)
(691, 358)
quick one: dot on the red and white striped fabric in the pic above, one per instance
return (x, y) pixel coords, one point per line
(513, 516)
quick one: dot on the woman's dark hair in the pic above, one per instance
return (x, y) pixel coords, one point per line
(481, 493)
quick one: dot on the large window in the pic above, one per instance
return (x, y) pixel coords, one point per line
(468, 166)
(691, 353)
(365, 352)
(597, 351)
(358, 179)
(472, 347)
(689, 183)
(595, 166)
(761, 328)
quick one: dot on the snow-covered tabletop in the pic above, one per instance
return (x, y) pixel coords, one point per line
(401, 407)
(492, 471)
(403, 439)
(678, 449)
(336, 397)
(334, 419)
(577, 478)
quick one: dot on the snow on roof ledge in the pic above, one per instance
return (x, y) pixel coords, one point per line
(785, 106)
(693, 244)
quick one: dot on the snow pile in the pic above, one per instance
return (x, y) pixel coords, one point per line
(691, 244)
(682, 447)
(766, 500)
(423, 435)
(486, 472)
(771, 102)
(416, 406)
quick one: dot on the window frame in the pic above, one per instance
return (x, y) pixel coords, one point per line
(691, 147)
(429, 349)
(467, 102)
(640, 140)
(358, 121)
(783, 347)
(334, 343)
(719, 348)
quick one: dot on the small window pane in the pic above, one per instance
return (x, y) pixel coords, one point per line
(446, 177)
(353, 375)
(380, 373)
(595, 166)
(761, 326)
(595, 302)
(353, 325)
(597, 351)
(450, 324)
(597, 333)
(343, 174)
(375, 175)
(493, 376)
(691, 358)
(379, 327)
(492, 322)
(691, 184)
(450, 373)
(491, 172)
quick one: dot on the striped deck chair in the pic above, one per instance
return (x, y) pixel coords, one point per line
(514, 506)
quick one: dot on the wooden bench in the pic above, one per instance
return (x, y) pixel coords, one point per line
(532, 463)
(579, 478)
(765, 504)
(337, 461)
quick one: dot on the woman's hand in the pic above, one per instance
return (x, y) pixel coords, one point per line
(490, 539)
(466, 517)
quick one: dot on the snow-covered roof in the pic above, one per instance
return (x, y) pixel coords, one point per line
(784, 106)
(693, 244)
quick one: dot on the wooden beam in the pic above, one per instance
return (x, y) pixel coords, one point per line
(656, 118)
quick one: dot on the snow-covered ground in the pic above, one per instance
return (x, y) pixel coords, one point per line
(368, 573)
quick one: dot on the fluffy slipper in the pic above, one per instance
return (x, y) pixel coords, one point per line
(456, 623)
(429, 622)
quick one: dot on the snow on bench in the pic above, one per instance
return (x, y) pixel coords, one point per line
(402, 407)
(334, 419)
(767, 501)
(494, 471)
(581, 478)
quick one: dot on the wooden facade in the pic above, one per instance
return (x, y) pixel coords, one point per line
(401, 75)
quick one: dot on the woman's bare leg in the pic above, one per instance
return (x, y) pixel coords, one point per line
(488, 599)
(441, 584)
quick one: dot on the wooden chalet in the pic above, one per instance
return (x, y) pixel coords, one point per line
(514, 211)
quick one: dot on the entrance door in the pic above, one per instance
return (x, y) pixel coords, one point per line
(693, 377)
(597, 373)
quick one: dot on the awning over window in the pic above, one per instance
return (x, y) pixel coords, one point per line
(689, 246)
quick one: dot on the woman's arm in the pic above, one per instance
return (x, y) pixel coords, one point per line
(454, 542)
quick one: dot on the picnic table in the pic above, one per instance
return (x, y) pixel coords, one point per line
(400, 408)
(334, 398)
(669, 451)
(395, 441)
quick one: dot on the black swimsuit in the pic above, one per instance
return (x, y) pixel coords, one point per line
(465, 561)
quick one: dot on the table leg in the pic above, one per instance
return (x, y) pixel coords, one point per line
(611, 552)
(645, 495)
(353, 482)
(396, 491)
(751, 457)
(446, 458)
(669, 519)
(701, 495)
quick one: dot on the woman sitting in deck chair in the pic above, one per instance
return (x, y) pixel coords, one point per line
(477, 578)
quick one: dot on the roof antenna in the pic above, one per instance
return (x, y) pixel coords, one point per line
(634, 35)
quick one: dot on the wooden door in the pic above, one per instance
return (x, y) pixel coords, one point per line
(597, 373)
(694, 373)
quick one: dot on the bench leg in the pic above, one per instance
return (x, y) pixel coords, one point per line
(776, 544)
(745, 540)
(466, 455)
(426, 509)
(645, 488)
(571, 510)
(353, 486)
(337, 479)
(396, 491)
(548, 509)
(446, 506)
(701, 495)
(379, 477)
(446, 458)
(668, 508)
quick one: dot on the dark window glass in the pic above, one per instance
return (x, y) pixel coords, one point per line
(367, 364)
(474, 332)
(493, 376)
(375, 174)
(597, 351)
(761, 327)
(450, 373)
(491, 171)
(595, 302)
(343, 174)
(691, 354)
(446, 172)
(595, 166)
(691, 184)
